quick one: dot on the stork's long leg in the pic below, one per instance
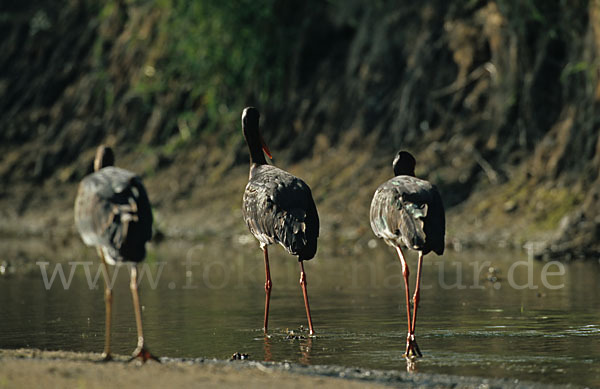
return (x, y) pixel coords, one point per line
(406, 273)
(268, 286)
(416, 298)
(305, 293)
(411, 344)
(108, 309)
(140, 351)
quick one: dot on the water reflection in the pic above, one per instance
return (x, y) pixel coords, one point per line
(268, 356)
(480, 314)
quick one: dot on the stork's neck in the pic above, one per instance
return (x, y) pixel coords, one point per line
(253, 168)
(257, 156)
(404, 170)
(400, 172)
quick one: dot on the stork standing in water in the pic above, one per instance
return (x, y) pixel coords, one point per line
(408, 211)
(112, 213)
(278, 208)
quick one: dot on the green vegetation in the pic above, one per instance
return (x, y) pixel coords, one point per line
(220, 56)
(478, 90)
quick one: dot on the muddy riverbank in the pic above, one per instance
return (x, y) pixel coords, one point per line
(30, 367)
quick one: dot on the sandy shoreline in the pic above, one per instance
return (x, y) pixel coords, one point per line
(31, 368)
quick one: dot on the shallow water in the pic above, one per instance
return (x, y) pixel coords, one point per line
(535, 321)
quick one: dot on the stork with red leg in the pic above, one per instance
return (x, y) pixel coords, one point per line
(408, 211)
(113, 214)
(278, 208)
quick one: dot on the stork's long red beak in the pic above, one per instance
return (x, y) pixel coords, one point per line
(265, 147)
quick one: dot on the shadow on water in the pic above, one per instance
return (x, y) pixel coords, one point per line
(480, 314)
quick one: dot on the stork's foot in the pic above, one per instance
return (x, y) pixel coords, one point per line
(412, 348)
(105, 358)
(143, 354)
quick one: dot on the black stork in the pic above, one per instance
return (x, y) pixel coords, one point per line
(113, 213)
(278, 208)
(408, 211)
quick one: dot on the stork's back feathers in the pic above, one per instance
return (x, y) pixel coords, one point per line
(407, 210)
(278, 208)
(112, 211)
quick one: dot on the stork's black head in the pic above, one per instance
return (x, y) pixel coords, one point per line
(255, 141)
(104, 157)
(404, 164)
(250, 117)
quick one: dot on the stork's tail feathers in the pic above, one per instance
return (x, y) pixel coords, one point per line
(412, 226)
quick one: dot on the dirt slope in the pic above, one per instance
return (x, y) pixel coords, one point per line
(498, 100)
